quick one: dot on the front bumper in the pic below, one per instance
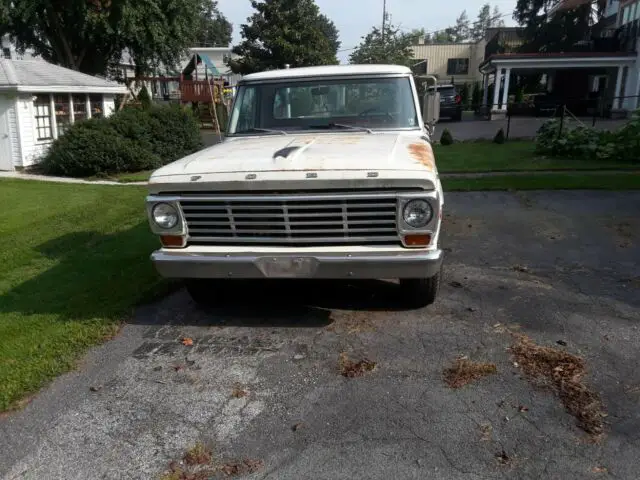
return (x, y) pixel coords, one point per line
(334, 265)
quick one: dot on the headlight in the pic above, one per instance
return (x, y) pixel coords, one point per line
(417, 213)
(165, 215)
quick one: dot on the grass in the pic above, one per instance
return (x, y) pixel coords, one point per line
(516, 155)
(133, 177)
(552, 181)
(74, 261)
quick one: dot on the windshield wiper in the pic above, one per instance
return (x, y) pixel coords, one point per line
(341, 125)
(265, 130)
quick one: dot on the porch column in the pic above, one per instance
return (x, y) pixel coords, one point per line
(618, 90)
(505, 94)
(72, 117)
(88, 106)
(631, 89)
(485, 93)
(496, 89)
(53, 120)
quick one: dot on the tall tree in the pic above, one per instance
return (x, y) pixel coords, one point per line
(285, 32)
(552, 32)
(394, 47)
(461, 30)
(448, 35)
(90, 35)
(486, 19)
(214, 29)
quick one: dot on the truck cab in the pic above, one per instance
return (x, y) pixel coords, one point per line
(324, 172)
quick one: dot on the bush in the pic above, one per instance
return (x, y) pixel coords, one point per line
(446, 138)
(144, 98)
(476, 98)
(158, 135)
(585, 142)
(500, 137)
(85, 152)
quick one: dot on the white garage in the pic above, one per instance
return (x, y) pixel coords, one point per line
(38, 101)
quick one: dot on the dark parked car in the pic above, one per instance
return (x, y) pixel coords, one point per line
(450, 102)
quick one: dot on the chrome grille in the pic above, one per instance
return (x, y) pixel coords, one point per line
(305, 220)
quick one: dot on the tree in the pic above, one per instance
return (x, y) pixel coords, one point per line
(214, 29)
(461, 30)
(285, 32)
(486, 20)
(557, 32)
(448, 35)
(90, 35)
(394, 47)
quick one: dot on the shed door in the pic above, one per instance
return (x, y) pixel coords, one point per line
(6, 160)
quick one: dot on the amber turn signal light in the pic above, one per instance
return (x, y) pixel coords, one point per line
(172, 241)
(422, 240)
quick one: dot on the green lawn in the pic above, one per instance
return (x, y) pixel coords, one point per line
(511, 156)
(553, 181)
(74, 261)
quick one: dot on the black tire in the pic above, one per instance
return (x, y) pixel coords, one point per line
(202, 291)
(421, 292)
(458, 117)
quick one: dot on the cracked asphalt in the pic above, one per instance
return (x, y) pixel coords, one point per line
(556, 266)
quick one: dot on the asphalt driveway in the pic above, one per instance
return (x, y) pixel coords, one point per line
(261, 380)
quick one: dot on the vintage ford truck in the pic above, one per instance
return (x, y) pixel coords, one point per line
(324, 172)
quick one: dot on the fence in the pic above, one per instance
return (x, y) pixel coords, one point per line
(522, 120)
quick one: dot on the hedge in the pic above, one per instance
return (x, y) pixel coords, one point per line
(131, 140)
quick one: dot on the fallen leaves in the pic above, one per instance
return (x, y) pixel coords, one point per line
(187, 341)
(599, 469)
(503, 458)
(245, 467)
(239, 391)
(465, 371)
(521, 268)
(564, 372)
(349, 368)
(485, 431)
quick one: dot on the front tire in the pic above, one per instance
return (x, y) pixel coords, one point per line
(421, 292)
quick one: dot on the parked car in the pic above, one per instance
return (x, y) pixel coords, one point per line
(450, 102)
(325, 172)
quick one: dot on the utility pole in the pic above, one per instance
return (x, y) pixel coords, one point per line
(384, 18)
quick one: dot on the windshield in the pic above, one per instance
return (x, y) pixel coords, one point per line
(344, 104)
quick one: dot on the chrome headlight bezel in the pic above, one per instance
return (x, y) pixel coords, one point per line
(177, 228)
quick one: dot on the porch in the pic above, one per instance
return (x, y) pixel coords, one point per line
(611, 78)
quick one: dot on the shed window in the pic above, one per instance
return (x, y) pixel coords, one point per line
(458, 66)
(42, 105)
(96, 106)
(79, 107)
(63, 113)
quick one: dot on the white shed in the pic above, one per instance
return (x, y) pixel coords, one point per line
(39, 100)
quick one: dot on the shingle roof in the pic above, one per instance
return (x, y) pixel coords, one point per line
(31, 75)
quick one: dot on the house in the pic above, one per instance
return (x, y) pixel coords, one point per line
(602, 72)
(38, 101)
(9, 50)
(459, 63)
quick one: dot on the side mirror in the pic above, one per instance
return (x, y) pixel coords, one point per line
(431, 108)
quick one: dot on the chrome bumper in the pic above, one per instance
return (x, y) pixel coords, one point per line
(363, 265)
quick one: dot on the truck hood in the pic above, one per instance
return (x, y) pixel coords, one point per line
(312, 152)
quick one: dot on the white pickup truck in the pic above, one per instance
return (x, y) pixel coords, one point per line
(324, 172)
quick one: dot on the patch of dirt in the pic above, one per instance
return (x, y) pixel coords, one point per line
(349, 368)
(624, 234)
(564, 372)
(464, 371)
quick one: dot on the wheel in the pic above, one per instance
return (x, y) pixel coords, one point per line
(203, 291)
(458, 117)
(421, 292)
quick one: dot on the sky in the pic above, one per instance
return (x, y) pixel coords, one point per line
(361, 15)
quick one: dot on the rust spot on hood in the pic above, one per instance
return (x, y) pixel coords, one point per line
(423, 153)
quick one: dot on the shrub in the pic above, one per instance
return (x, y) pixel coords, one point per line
(144, 98)
(158, 135)
(446, 138)
(500, 137)
(476, 98)
(85, 152)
